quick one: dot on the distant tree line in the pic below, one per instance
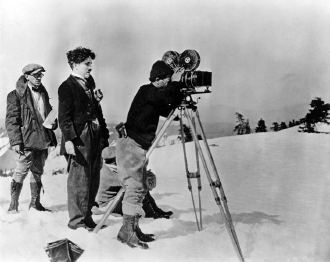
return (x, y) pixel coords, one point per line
(5, 172)
(187, 133)
(317, 114)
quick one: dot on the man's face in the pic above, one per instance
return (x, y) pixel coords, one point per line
(163, 82)
(35, 79)
(84, 68)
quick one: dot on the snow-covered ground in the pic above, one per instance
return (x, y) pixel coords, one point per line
(278, 190)
(4, 145)
(323, 128)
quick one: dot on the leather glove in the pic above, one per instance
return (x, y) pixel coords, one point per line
(55, 125)
(151, 180)
(19, 149)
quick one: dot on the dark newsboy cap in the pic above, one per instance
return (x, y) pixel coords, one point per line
(160, 70)
(32, 68)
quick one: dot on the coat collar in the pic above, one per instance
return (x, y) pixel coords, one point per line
(72, 81)
(90, 81)
(21, 86)
(26, 96)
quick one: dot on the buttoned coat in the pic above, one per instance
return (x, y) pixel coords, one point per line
(76, 109)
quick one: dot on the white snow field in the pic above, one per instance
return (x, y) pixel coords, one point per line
(278, 190)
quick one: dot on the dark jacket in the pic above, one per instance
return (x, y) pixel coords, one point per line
(148, 105)
(75, 109)
(23, 120)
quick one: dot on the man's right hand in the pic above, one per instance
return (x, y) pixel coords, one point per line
(69, 148)
(176, 77)
(19, 149)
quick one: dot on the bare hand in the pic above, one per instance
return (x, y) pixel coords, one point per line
(19, 149)
(176, 77)
(98, 95)
(55, 125)
(69, 148)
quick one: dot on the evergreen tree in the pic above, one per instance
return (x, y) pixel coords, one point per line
(187, 133)
(239, 124)
(317, 114)
(261, 126)
(275, 127)
(283, 126)
(242, 127)
(247, 127)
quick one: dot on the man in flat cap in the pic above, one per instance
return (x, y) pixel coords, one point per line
(27, 108)
(84, 135)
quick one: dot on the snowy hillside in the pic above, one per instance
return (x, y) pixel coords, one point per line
(278, 190)
(4, 145)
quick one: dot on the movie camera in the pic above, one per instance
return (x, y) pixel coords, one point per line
(192, 79)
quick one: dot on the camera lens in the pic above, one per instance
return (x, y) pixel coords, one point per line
(193, 79)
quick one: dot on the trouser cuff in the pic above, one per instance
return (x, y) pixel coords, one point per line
(132, 209)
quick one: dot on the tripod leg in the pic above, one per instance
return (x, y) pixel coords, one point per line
(219, 184)
(228, 222)
(110, 207)
(187, 171)
(198, 175)
(161, 132)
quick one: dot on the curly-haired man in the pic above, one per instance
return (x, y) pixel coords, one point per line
(84, 135)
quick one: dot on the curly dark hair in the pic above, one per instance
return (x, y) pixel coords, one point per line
(78, 55)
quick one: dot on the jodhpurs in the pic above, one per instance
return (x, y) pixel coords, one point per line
(132, 164)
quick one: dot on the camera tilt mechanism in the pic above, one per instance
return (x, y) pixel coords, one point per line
(195, 82)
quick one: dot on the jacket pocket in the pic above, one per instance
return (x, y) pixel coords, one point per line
(28, 134)
(24, 129)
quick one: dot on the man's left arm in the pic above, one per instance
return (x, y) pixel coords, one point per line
(163, 97)
(104, 132)
(165, 111)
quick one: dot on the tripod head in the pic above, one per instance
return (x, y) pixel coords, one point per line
(188, 101)
(190, 104)
(193, 91)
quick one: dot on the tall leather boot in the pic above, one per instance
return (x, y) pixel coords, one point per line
(127, 233)
(148, 210)
(143, 237)
(35, 197)
(15, 191)
(152, 210)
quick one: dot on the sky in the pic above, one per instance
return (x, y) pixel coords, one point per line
(263, 55)
(277, 186)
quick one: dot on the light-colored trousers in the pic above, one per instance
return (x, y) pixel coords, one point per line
(31, 160)
(132, 164)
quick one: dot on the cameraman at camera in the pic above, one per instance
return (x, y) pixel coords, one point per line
(151, 101)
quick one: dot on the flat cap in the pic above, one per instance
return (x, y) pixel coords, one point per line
(32, 68)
